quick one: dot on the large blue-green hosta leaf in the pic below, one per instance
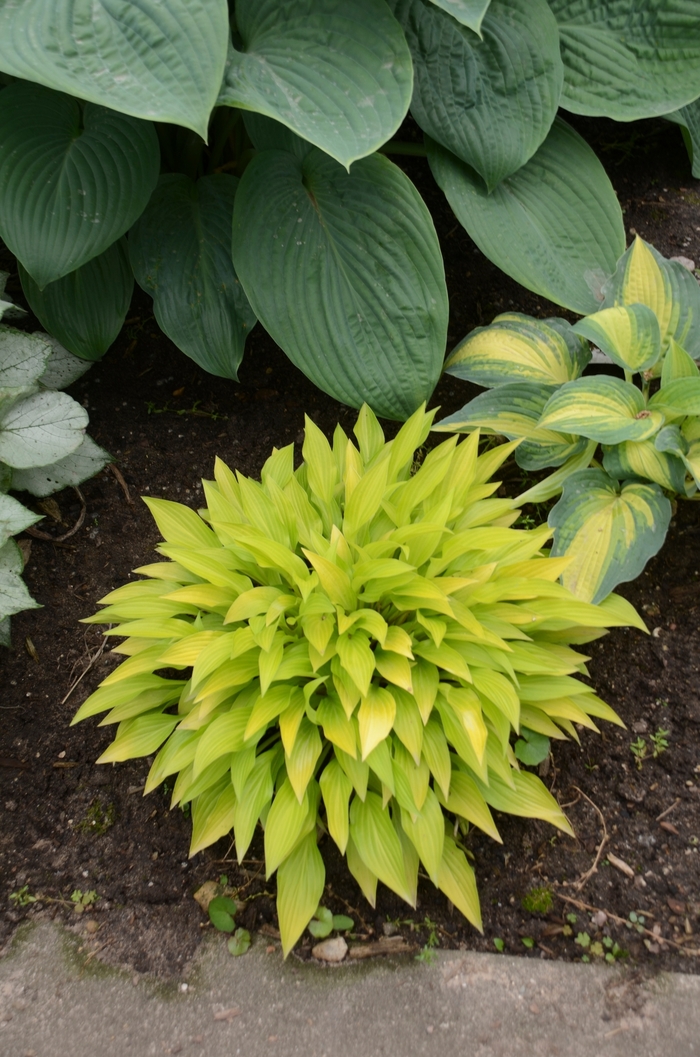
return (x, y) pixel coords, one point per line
(469, 12)
(85, 309)
(688, 117)
(158, 59)
(72, 179)
(344, 271)
(489, 100)
(629, 59)
(180, 251)
(339, 75)
(555, 225)
(609, 531)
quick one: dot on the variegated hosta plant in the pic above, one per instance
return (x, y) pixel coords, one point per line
(358, 644)
(614, 511)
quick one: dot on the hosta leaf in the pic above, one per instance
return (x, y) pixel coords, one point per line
(679, 397)
(180, 524)
(437, 754)
(213, 814)
(180, 251)
(267, 134)
(159, 59)
(358, 256)
(645, 459)
(222, 736)
(513, 411)
(253, 796)
(336, 788)
(456, 879)
(426, 832)
(489, 98)
(14, 596)
(629, 60)
(288, 819)
(644, 277)
(40, 429)
(357, 658)
(677, 364)
(14, 518)
(517, 348)
(378, 845)
(610, 533)
(688, 117)
(601, 408)
(670, 440)
(85, 309)
(72, 181)
(469, 12)
(300, 883)
(362, 873)
(376, 718)
(336, 725)
(339, 77)
(87, 460)
(301, 762)
(555, 225)
(139, 737)
(23, 357)
(528, 799)
(628, 334)
(466, 800)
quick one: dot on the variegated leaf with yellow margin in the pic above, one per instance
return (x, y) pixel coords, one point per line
(628, 334)
(672, 442)
(609, 531)
(518, 348)
(646, 460)
(644, 277)
(677, 398)
(677, 364)
(513, 410)
(601, 408)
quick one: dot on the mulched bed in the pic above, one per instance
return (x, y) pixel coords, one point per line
(67, 824)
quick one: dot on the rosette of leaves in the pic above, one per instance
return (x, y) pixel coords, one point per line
(242, 148)
(358, 643)
(622, 445)
(43, 446)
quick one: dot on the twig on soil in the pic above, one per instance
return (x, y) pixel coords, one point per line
(66, 535)
(97, 950)
(655, 937)
(594, 868)
(122, 483)
(668, 810)
(91, 664)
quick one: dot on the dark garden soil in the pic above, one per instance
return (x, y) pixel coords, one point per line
(68, 824)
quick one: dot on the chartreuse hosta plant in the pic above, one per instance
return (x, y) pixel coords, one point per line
(358, 645)
(43, 446)
(621, 445)
(230, 157)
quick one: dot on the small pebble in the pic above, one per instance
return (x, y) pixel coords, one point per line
(91, 926)
(332, 950)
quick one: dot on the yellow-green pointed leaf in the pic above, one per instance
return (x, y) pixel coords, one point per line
(456, 879)
(336, 725)
(518, 348)
(628, 334)
(437, 754)
(356, 658)
(378, 845)
(426, 832)
(610, 533)
(529, 799)
(425, 686)
(139, 737)
(645, 459)
(336, 788)
(224, 735)
(362, 873)
(444, 657)
(178, 524)
(408, 723)
(601, 408)
(266, 708)
(302, 760)
(334, 580)
(356, 770)
(255, 795)
(300, 882)
(376, 718)
(213, 815)
(287, 821)
(466, 801)
(394, 668)
(366, 497)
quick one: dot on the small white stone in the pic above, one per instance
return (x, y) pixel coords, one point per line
(333, 950)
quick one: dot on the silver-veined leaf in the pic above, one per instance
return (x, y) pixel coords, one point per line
(601, 408)
(628, 334)
(491, 97)
(628, 59)
(72, 180)
(555, 225)
(14, 517)
(357, 256)
(180, 251)
(62, 367)
(87, 460)
(518, 348)
(85, 309)
(609, 532)
(300, 882)
(157, 59)
(644, 459)
(14, 596)
(23, 358)
(339, 76)
(40, 429)
(643, 276)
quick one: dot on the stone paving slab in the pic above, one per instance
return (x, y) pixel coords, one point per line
(466, 1004)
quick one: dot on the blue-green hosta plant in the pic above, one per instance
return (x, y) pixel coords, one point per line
(43, 446)
(230, 157)
(622, 445)
(358, 644)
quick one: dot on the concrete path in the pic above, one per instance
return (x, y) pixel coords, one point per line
(463, 1005)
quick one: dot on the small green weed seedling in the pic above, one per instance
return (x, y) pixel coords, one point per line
(528, 942)
(22, 897)
(324, 922)
(499, 944)
(640, 751)
(222, 914)
(659, 742)
(83, 900)
(635, 921)
(427, 954)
